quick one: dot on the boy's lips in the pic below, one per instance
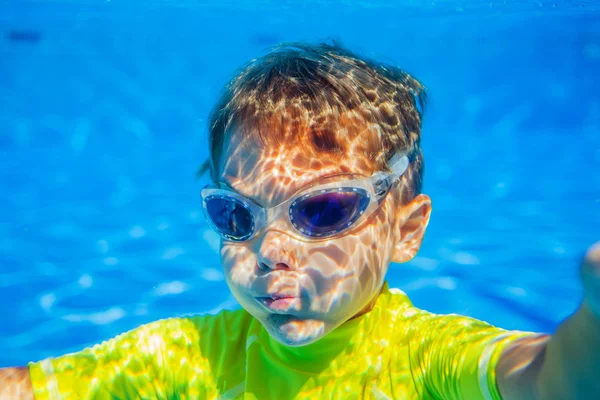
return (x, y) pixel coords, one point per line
(277, 302)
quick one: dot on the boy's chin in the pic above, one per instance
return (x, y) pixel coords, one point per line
(293, 331)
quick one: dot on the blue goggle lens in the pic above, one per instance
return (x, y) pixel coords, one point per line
(230, 217)
(329, 213)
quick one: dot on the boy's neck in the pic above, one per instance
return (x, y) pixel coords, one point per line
(369, 305)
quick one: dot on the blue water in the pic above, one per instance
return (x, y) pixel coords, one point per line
(103, 111)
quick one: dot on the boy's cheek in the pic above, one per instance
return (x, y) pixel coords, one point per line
(234, 253)
(238, 263)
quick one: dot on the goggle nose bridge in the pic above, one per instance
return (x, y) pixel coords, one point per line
(269, 215)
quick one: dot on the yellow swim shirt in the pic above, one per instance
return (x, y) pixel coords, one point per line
(396, 351)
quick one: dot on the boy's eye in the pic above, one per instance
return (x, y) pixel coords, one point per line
(239, 220)
(328, 209)
(329, 212)
(230, 217)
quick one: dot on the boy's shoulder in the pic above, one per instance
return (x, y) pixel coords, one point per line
(197, 328)
(211, 335)
(238, 319)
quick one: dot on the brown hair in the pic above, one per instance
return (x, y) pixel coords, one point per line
(327, 96)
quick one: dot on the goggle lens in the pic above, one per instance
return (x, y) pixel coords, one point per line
(327, 214)
(230, 217)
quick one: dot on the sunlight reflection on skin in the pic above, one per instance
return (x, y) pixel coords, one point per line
(15, 384)
(514, 365)
(332, 280)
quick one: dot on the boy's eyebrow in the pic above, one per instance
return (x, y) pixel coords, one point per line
(224, 182)
(331, 175)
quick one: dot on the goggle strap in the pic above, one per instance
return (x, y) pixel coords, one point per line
(399, 164)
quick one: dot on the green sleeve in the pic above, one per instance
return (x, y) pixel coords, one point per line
(158, 360)
(454, 357)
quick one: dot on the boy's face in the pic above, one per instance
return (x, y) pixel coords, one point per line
(321, 284)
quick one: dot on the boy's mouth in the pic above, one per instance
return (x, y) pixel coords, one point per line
(277, 302)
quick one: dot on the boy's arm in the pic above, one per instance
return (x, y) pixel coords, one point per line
(15, 384)
(135, 364)
(566, 365)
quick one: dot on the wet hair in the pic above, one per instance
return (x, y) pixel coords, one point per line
(326, 97)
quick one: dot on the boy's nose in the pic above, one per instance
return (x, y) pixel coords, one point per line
(273, 253)
(263, 266)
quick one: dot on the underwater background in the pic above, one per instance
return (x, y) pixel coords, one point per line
(103, 122)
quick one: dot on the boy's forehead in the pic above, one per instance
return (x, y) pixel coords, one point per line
(260, 170)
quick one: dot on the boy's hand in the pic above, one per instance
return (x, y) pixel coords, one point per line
(571, 360)
(567, 364)
(15, 384)
(590, 275)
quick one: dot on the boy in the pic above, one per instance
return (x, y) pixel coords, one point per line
(317, 168)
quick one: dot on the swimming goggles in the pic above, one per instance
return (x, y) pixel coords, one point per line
(321, 211)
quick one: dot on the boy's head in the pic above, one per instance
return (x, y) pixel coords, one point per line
(300, 118)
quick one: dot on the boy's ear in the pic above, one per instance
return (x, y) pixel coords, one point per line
(412, 228)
